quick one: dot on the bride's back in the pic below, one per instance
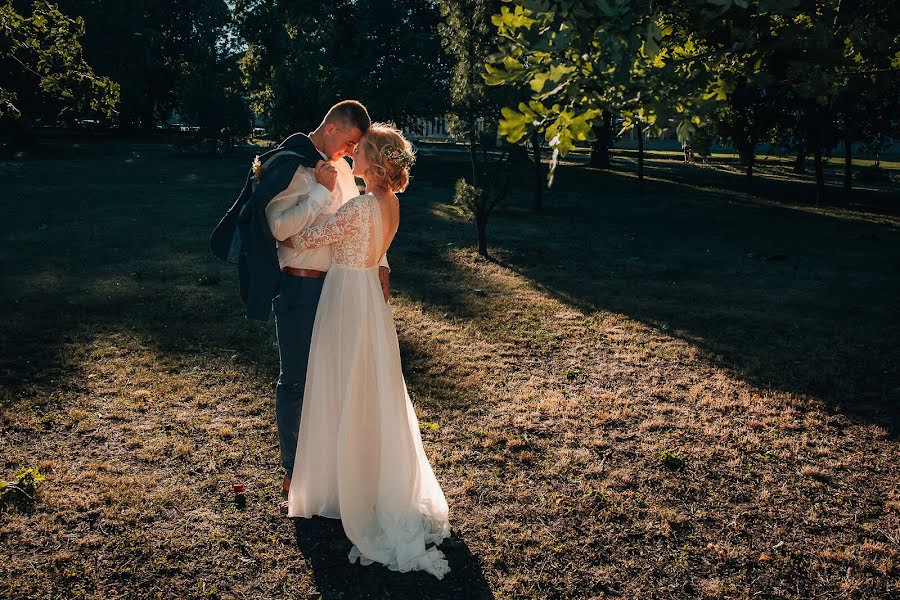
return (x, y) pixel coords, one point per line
(372, 224)
(389, 208)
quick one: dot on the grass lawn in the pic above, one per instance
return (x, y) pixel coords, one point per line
(684, 389)
(836, 161)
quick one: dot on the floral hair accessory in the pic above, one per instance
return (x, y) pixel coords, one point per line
(404, 158)
(257, 168)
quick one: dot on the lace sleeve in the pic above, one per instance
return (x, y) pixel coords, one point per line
(348, 219)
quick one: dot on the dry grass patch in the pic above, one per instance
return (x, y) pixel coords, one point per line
(612, 410)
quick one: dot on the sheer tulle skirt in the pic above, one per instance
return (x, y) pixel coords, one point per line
(360, 456)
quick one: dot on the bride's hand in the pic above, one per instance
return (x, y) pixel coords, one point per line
(326, 174)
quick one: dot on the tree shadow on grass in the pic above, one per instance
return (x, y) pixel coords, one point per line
(773, 181)
(787, 299)
(122, 250)
(324, 544)
(109, 243)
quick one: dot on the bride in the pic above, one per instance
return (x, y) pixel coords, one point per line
(360, 457)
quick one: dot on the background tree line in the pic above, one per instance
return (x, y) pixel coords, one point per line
(214, 63)
(802, 75)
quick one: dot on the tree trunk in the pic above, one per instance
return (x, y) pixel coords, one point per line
(147, 113)
(800, 162)
(820, 177)
(538, 172)
(600, 147)
(21, 129)
(640, 136)
(818, 131)
(848, 165)
(473, 157)
(746, 155)
(481, 224)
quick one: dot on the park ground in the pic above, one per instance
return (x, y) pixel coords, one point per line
(686, 388)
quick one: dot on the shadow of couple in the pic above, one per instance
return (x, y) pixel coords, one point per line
(325, 546)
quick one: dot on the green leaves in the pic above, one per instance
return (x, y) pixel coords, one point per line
(45, 55)
(685, 130)
(510, 20)
(650, 49)
(568, 127)
(507, 69)
(467, 199)
(24, 490)
(608, 9)
(779, 7)
(571, 126)
(719, 89)
(538, 80)
(517, 124)
(666, 65)
(555, 75)
(624, 57)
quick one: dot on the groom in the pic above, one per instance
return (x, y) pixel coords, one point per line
(304, 203)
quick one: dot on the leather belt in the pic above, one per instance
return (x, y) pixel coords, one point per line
(312, 273)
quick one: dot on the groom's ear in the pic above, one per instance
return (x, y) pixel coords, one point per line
(330, 128)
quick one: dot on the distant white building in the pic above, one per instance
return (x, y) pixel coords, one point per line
(435, 128)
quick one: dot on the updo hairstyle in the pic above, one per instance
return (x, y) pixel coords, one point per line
(389, 156)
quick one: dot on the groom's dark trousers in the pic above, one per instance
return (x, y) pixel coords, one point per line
(243, 237)
(295, 312)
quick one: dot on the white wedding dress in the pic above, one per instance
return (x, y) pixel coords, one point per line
(359, 456)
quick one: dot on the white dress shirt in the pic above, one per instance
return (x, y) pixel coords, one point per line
(306, 203)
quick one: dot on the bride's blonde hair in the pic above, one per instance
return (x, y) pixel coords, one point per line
(389, 156)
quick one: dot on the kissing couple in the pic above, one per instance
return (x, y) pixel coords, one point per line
(314, 249)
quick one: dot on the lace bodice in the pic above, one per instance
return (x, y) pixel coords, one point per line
(354, 232)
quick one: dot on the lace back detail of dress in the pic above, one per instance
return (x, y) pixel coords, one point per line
(353, 250)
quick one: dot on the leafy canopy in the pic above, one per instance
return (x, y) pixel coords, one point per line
(41, 57)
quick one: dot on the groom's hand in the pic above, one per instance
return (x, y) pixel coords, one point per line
(384, 275)
(326, 174)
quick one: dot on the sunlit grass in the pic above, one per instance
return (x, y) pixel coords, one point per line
(836, 160)
(678, 389)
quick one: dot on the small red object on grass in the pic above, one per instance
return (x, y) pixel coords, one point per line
(238, 488)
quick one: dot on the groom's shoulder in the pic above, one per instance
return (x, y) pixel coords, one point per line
(295, 141)
(296, 151)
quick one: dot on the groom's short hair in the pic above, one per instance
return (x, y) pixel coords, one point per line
(349, 113)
